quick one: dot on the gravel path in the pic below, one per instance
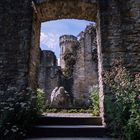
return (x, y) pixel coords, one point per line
(81, 115)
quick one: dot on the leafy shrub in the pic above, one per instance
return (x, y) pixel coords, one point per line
(18, 109)
(123, 107)
(70, 60)
(40, 101)
(94, 96)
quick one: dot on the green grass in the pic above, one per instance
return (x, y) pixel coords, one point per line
(54, 110)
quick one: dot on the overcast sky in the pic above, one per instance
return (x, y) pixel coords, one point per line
(52, 30)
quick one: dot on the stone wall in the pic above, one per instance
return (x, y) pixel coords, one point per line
(53, 10)
(49, 74)
(48, 58)
(15, 42)
(85, 74)
(118, 27)
(34, 52)
(130, 19)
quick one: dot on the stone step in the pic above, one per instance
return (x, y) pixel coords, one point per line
(68, 131)
(75, 138)
(68, 127)
(44, 120)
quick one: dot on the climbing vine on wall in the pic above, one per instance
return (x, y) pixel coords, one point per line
(123, 107)
(70, 60)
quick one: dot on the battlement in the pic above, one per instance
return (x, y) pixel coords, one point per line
(48, 58)
(67, 38)
(48, 52)
(90, 28)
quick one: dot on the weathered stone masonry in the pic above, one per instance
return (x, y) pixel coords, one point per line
(49, 74)
(85, 73)
(34, 52)
(15, 42)
(118, 33)
(68, 44)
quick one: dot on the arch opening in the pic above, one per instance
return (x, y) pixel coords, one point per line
(45, 10)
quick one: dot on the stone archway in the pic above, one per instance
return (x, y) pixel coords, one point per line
(118, 28)
(45, 10)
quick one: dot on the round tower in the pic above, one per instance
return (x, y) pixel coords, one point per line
(67, 44)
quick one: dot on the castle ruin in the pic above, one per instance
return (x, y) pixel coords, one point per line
(77, 73)
(49, 73)
(118, 33)
(85, 73)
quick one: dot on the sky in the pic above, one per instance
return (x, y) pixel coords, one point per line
(52, 30)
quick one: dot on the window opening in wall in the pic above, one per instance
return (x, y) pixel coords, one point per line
(68, 68)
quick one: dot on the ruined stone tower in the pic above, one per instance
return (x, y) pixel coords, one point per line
(49, 73)
(78, 61)
(85, 74)
(67, 44)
